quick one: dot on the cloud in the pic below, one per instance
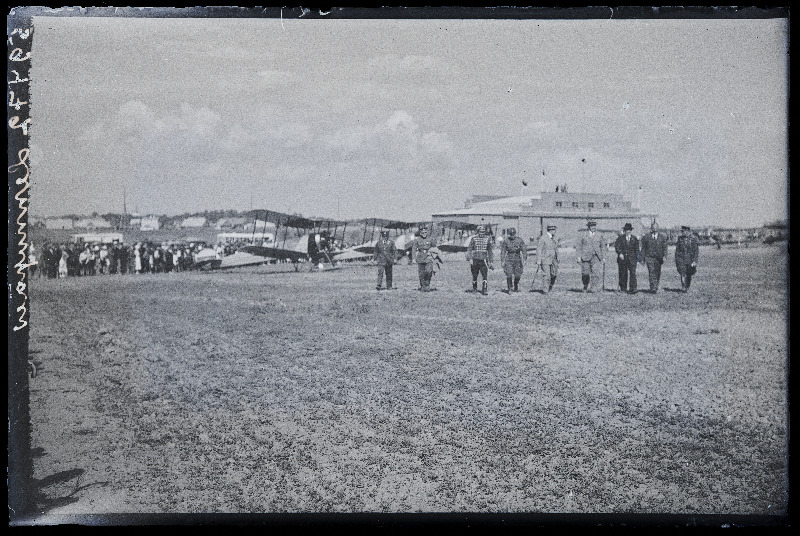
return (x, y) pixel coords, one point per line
(398, 139)
(135, 122)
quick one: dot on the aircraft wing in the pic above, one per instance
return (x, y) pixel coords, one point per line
(351, 254)
(457, 225)
(240, 258)
(274, 253)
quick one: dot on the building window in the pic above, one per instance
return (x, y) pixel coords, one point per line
(606, 205)
(559, 204)
(591, 205)
(574, 204)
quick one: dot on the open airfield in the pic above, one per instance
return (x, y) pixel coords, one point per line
(265, 390)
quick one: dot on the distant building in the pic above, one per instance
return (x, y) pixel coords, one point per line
(150, 223)
(91, 223)
(59, 223)
(193, 222)
(530, 215)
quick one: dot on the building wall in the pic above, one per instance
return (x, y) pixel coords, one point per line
(569, 212)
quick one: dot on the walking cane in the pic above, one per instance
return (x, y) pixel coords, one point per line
(533, 283)
(604, 276)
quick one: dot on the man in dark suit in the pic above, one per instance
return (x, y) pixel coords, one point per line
(686, 255)
(627, 248)
(654, 252)
(385, 257)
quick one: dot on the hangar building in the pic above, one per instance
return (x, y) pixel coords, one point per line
(530, 215)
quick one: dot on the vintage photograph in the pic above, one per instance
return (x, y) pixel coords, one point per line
(518, 266)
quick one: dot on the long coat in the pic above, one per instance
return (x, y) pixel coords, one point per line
(512, 249)
(591, 248)
(687, 251)
(385, 251)
(419, 249)
(547, 251)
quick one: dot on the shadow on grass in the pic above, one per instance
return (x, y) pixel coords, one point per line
(46, 502)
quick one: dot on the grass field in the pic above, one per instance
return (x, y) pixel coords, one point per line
(259, 391)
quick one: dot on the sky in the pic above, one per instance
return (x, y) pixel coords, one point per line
(404, 118)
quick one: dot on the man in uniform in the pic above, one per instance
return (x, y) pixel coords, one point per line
(686, 255)
(481, 258)
(513, 254)
(591, 256)
(385, 257)
(627, 248)
(547, 258)
(654, 252)
(420, 252)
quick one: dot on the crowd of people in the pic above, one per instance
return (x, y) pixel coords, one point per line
(55, 260)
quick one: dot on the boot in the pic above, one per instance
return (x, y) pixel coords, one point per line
(474, 286)
(509, 284)
(516, 284)
(484, 288)
(585, 279)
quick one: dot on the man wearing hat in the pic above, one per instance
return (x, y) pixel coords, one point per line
(547, 258)
(385, 256)
(686, 255)
(513, 254)
(627, 248)
(654, 252)
(591, 256)
(481, 258)
(420, 252)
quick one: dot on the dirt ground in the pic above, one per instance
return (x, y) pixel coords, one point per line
(263, 390)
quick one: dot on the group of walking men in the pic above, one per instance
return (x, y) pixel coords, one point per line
(652, 250)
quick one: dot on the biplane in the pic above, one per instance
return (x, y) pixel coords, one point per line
(366, 248)
(304, 240)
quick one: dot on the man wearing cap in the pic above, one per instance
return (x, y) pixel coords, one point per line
(627, 248)
(385, 256)
(686, 255)
(654, 252)
(481, 258)
(591, 256)
(420, 252)
(513, 254)
(547, 258)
